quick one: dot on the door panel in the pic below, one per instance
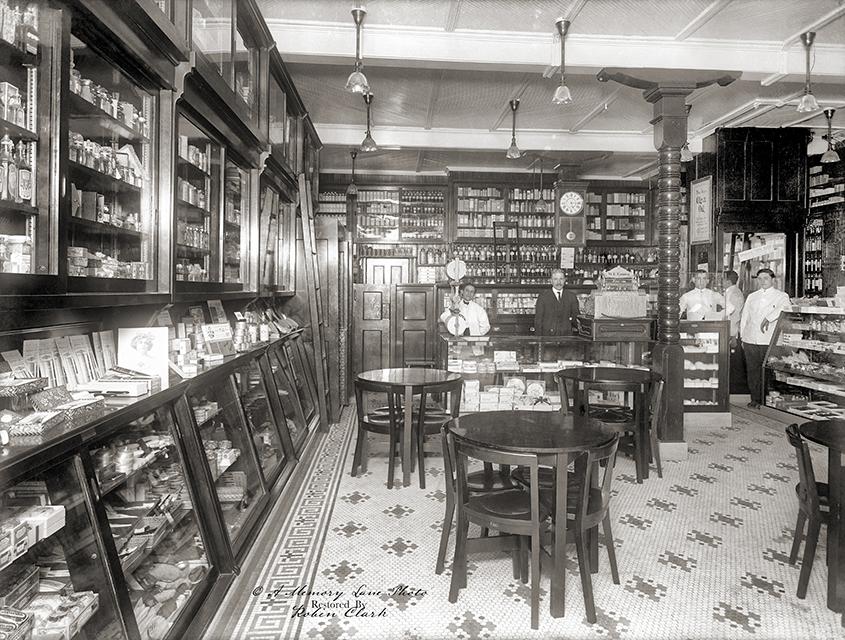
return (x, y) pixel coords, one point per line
(371, 327)
(414, 330)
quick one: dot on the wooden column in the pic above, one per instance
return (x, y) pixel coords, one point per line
(667, 90)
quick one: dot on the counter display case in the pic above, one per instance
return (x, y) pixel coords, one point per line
(235, 224)
(706, 365)
(197, 205)
(51, 566)
(285, 387)
(112, 173)
(302, 375)
(228, 444)
(804, 372)
(153, 520)
(502, 373)
(28, 177)
(261, 422)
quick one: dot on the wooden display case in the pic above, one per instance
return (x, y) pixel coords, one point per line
(706, 346)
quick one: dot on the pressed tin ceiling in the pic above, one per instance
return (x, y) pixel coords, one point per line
(442, 72)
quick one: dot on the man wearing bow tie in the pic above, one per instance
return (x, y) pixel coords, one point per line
(556, 310)
(467, 316)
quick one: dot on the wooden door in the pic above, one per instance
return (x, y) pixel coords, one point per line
(414, 325)
(371, 327)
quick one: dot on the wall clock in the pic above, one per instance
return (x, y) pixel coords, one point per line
(571, 203)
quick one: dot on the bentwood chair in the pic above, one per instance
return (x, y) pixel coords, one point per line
(511, 511)
(813, 508)
(623, 420)
(589, 507)
(486, 480)
(430, 418)
(380, 422)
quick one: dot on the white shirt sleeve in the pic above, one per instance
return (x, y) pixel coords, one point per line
(781, 303)
(483, 321)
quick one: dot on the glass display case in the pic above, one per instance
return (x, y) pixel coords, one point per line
(805, 364)
(227, 442)
(28, 176)
(260, 420)
(706, 365)
(211, 23)
(288, 396)
(51, 566)
(504, 373)
(302, 375)
(278, 131)
(111, 172)
(152, 516)
(268, 235)
(197, 205)
(235, 224)
(246, 71)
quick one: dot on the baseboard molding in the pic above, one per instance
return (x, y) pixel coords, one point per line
(673, 451)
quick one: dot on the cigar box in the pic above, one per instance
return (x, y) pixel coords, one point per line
(36, 423)
(18, 584)
(79, 412)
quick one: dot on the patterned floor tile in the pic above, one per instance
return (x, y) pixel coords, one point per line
(703, 554)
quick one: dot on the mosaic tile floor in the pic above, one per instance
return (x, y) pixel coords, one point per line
(702, 554)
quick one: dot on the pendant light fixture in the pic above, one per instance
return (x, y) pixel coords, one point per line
(541, 206)
(830, 155)
(562, 94)
(357, 82)
(686, 154)
(368, 144)
(513, 151)
(808, 103)
(352, 189)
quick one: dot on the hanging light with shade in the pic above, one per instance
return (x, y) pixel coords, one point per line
(808, 103)
(357, 82)
(830, 155)
(352, 189)
(513, 151)
(562, 94)
(368, 144)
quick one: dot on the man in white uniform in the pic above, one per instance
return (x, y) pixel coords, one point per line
(467, 315)
(756, 328)
(734, 302)
(701, 301)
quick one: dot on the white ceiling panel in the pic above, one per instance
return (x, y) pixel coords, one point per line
(628, 17)
(418, 13)
(475, 100)
(764, 19)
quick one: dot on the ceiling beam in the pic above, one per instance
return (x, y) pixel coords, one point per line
(497, 51)
(574, 9)
(436, 83)
(701, 19)
(452, 18)
(816, 114)
(517, 94)
(531, 140)
(420, 159)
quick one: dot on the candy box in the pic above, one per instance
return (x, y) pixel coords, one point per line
(36, 423)
(45, 520)
(18, 584)
(16, 624)
(79, 412)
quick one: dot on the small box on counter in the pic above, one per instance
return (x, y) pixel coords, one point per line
(15, 388)
(79, 412)
(17, 624)
(35, 424)
(18, 584)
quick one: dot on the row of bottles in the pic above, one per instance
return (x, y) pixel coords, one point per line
(813, 251)
(20, 25)
(422, 196)
(390, 222)
(431, 256)
(389, 251)
(531, 194)
(615, 256)
(191, 235)
(422, 222)
(15, 172)
(479, 192)
(423, 209)
(482, 206)
(536, 222)
(537, 234)
(479, 220)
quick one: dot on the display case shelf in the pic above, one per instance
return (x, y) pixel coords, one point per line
(15, 132)
(83, 175)
(12, 55)
(191, 212)
(17, 208)
(92, 122)
(100, 227)
(192, 169)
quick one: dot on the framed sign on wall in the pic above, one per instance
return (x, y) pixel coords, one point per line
(701, 211)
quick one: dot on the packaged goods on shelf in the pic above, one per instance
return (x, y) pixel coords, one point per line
(36, 423)
(17, 624)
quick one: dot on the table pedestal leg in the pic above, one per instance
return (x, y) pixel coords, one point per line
(835, 534)
(558, 581)
(644, 444)
(406, 445)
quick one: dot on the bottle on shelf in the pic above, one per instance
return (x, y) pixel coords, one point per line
(24, 175)
(6, 164)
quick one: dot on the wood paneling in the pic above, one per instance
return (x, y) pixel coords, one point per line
(370, 327)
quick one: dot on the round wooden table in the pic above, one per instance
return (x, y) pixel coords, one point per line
(635, 381)
(555, 439)
(409, 382)
(831, 434)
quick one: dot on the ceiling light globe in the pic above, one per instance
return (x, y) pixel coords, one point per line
(368, 145)
(808, 103)
(686, 154)
(357, 83)
(829, 156)
(352, 190)
(541, 206)
(513, 151)
(562, 95)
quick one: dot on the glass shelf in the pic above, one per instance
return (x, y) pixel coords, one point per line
(197, 205)
(152, 518)
(111, 170)
(235, 223)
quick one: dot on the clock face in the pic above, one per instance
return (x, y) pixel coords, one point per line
(571, 203)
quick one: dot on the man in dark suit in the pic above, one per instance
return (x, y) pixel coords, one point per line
(556, 310)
